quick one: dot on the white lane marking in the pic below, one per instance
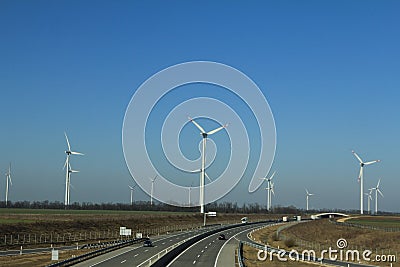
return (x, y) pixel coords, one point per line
(163, 243)
(194, 262)
(219, 252)
(123, 261)
(209, 244)
(146, 250)
(202, 251)
(201, 240)
(136, 255)
(170, 240)
(198, 256)
(206, 247)
(126, 252)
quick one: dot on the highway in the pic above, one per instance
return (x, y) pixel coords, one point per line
(213, 252)
(136, 254)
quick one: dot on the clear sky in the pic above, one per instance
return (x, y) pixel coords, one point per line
(329, 70)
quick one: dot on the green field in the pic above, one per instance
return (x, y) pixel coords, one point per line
(381, 222)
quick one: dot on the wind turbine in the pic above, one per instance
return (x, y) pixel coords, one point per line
(70, 170)
(8, 181)
(131, 188)
(152, 187)
(203, 157)
(270, 195)
(377, 190)
(308, 194)
(67, 166)
(268, 188)
(369, 196)
(190, 191)
(361, 178)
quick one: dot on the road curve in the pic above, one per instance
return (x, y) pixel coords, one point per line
(211, 251)
(136, 254)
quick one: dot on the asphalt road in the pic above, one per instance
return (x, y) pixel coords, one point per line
(136, 254)
(212, 252)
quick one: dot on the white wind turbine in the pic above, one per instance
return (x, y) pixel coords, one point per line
(377, 190)
(369, 198)
(203, 158)
(152, 188)
(132, 188)
(8, 181)
(190, 191)
(361, 178)
(308, 194)
(269, 188)
(67, 166)
(70, 170)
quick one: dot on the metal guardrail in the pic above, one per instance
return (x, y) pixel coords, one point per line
(240, 254)
(92, 254)
(363, 226)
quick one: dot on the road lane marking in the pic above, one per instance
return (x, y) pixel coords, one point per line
(136, 255)
(194, 262)
(146, 250)
(219, 252)
(198, 256)
(123, 261)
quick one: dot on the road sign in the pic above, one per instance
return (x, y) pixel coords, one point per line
(212, 213)
(54, 255)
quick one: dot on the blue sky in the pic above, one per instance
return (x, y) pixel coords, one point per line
(329, 70)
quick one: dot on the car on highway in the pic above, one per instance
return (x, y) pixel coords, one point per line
(147, 243)
(221, 237)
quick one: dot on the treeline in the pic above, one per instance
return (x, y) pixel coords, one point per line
(224, 207)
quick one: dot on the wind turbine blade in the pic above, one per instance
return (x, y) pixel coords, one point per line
(66, 138)
(217, 130)
(377, 186)
(130, 187)
(65, 164)
(355, 154)
(207, 177)
(307, 192)
(361, 173)
(371, 162)
(272, 176)
(9, 174)
(379, 191)
(197, 125)
(74, 171)
(77, 153)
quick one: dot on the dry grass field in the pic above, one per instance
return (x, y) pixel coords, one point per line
(322, 234)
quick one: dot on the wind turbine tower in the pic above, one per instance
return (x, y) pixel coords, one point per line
(132, 188)
(8, 182)
(204, 134)
(361, 178)
(152, 188)
(70, 170)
